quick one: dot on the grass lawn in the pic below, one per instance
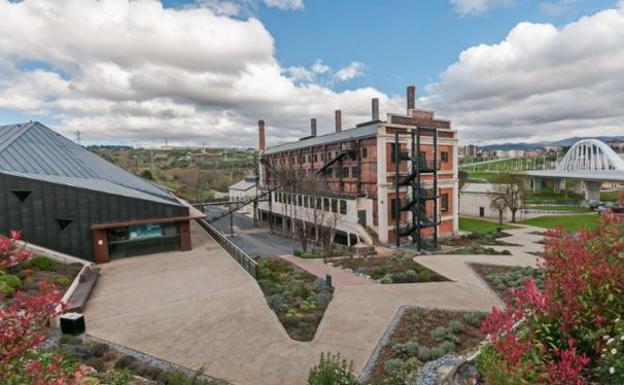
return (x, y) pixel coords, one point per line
(610, 196)
(480, 226)
(571, 223)
(577, 209)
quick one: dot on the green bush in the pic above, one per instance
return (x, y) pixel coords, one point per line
(394, 365)
(439, 334)
(124, 362)
(276, 302)
(332, 370)
(447, 346)
(386, 280)
(456, 326)
(11, 280)
(64, 281)
(98, 348)
(6, 290)
(115, 377)
(473, 319)
(68, 339)
(41, 262)
(96, 363)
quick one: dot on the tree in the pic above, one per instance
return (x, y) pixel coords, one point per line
(463, 178)
(510, 193)
(147, 174)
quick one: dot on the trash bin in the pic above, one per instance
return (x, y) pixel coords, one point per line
(72, 323)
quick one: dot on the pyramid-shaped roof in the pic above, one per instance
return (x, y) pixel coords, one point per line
(32, 150)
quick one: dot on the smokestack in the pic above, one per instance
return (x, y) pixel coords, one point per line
(375, 107)
(338, 121)
(313, 127)
(261, 137)
(411, 98)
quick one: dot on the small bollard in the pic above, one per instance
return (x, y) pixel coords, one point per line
(328, 280)
(72, 323)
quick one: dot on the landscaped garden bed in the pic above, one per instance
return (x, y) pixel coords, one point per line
(503, 278)
(421, 336)
(297, 297)
(27, 277)
(482, 239)
(386, 270)
(476, 250)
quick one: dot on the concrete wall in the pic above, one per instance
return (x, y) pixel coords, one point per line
(470, 204)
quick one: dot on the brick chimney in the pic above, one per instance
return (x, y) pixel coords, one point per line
(411, 99)
(313, 127)
(261, 136)
(338, 121)
(375, 109)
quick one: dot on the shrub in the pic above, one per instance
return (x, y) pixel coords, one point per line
(563, 328)
(96, 363)
(319, 284)
(456, 326)
(332, 370)
(63, 281)
(393, 365)
(276, 302)
(99, 348)
(41, 262)
(125, 362)
(386, 280)
(11, 280)
(68, 339)
(439, 334)
(115, 377)
(297, 253)
(426, 354)
(610, 366)
(321, 299)
(6, 290)
(447, 346)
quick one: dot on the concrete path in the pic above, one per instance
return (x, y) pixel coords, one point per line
(320, 269)
(200, 309)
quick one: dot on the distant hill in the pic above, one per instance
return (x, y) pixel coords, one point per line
(532, 146)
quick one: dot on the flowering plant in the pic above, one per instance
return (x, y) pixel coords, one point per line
(610, 368)
(23, 327)
(555, 335)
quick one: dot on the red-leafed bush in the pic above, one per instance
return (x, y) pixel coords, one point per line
(24, 326)
(11, 253)
(559, 335)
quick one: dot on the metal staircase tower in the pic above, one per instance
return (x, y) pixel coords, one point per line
(421, 194)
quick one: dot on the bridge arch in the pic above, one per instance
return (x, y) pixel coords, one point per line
(591, 155)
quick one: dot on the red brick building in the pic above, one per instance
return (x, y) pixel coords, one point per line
(364, 182)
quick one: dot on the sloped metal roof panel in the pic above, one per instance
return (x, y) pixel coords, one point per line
(35, 151)
(352, 133)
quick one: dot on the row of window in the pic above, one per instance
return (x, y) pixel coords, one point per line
(338, 172)
(313, 158)
(444, 205)
(328, 204)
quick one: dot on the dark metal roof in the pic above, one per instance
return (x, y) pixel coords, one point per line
(32, 150)
(352, 133)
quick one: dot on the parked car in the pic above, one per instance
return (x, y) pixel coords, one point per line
(593, 205)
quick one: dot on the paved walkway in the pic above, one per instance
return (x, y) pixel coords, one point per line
(320, 269)
(200, 309)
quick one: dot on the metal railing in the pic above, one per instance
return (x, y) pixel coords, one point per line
(239, 255)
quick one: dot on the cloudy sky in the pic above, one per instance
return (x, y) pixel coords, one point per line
(204, 71)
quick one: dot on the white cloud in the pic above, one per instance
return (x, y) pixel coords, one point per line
(557, 8)
(353, 70)
(473, 7)
(121, 69)
(540, 82)
(284, 4)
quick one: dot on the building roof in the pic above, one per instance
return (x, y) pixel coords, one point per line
(32, 150)
(244, 185)
(480, 188)
(352, 133)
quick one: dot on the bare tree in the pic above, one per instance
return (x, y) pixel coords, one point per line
(510, 193)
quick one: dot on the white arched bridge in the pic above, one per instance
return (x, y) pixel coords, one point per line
(591, 155)
(589, 162)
